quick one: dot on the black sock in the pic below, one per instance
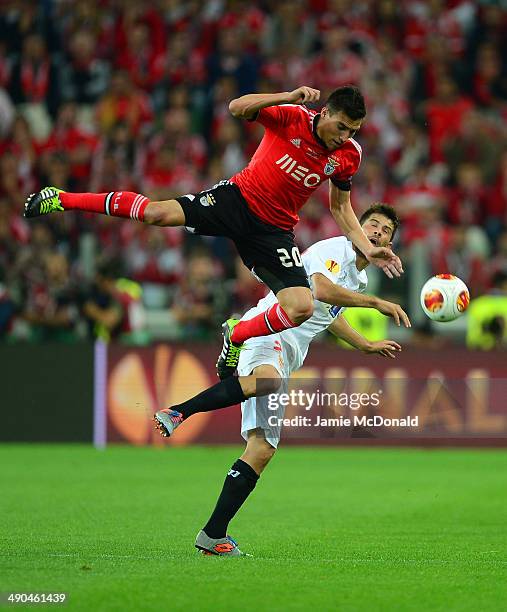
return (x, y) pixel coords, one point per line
(228, 392)
(239, 483)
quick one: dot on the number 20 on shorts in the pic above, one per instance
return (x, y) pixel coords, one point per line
(290, 259)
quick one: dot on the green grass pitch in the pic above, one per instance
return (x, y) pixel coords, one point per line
(330, 529)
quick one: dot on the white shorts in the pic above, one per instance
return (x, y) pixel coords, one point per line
(255, 411)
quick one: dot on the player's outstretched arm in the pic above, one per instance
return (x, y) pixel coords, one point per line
(246, 107)
(326, 291)
(393, 310)
(345, 217)
(341, 329)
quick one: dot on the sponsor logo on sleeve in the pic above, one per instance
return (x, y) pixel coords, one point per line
(334, 311)
(333, 266)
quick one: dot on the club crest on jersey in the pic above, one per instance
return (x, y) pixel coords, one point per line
(207, 200)
(331, 166)
(333, 266)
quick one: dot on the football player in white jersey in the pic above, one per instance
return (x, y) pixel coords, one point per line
(336, 270)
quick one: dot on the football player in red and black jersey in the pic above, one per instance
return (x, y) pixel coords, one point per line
(258, 207)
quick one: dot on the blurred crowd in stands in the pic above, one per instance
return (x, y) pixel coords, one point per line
(101, 95)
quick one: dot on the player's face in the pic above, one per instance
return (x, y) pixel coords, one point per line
(379, 229)
(335, 129)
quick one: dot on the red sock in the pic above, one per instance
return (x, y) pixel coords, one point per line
(116, 203)
(270, 322)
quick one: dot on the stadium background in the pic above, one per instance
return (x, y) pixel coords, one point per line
(111, 94)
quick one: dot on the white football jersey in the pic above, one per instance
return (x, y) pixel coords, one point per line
(335, 258)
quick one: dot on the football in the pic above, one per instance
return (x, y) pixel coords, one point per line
(444, 297)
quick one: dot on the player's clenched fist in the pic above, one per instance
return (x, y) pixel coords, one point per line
(304, 94)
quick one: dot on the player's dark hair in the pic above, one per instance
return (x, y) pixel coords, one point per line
(380, 208)
(348, 99)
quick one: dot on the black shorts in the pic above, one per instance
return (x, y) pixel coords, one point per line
(268, 251)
